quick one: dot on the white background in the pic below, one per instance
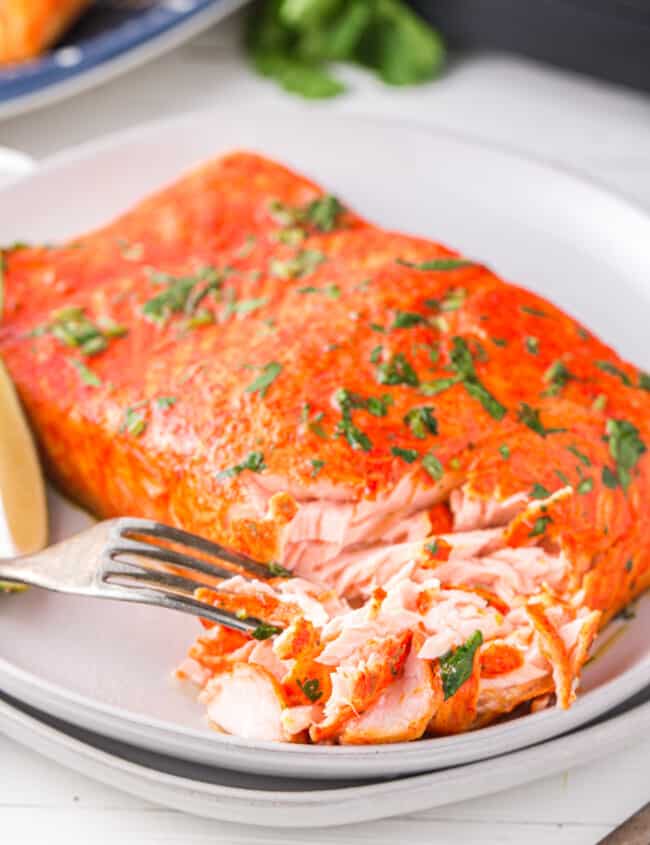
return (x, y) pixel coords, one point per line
(593, 127)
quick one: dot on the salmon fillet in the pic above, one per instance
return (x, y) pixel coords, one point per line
(451, 466)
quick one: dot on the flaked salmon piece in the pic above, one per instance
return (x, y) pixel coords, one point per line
(246, 700)
(458, 713)
(359, 681)
(402, 712)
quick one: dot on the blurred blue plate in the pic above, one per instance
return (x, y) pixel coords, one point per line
(113, 36)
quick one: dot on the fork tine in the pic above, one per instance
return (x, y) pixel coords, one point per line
(134, 547)
(145, 527)
(186, 604)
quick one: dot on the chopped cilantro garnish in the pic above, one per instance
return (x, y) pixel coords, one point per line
(278, 571)
(585, 486)
(432, 388)
(504, 451)
(453, 299)
(557, 376)
(437, 264)
(311, 688)
(626, 447)
(609, 478)
(562, 476)
(579, 455)
(433, 466)
(421, 421)
(644, 381)
(254, 462)
(304, 263)
(408, 455)
(134, 422)
(457, 666)
(268, 375)
(264, 631)
(535, 312)
(165, 402)
(317, 466)
(432, 547)
(181, 293)
(408, 319)
(375, 355)
(532, 345)
(397, 371)
(377, 328)
(613, 370)
(540, 525)
(629, 565)
(324, 213)
(600, 402)
(499, 341)
(246, 306)
(530, 416)
(87, 376)
(463, 364)
(72, 327)
(539, 492)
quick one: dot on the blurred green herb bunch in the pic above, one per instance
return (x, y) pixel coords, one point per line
(293, 42)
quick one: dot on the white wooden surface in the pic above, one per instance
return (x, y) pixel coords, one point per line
(597, 128)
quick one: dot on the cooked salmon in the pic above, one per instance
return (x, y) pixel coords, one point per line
(451, 467)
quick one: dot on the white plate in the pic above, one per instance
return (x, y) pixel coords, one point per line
(281, 802)
(107, 667)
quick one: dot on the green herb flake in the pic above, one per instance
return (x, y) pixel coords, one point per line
(457, 666)
(629, 565)
(408, 319)
(375, 355)
(534, 312)
(499, 341)
(463, 364)
(609, 479)
(264, 631)
(134, 422)
(421, 421)
(539, 492)
(585, 486)
(376, 327)
(437, 264)
(530, 417)
(563, 478)
(504, 451)
(454, 299)
(532, 345)
(278, 571)
(432, 388)
(246, 306)
(268, 375)
(600, 402)
(433, 466)
(311, 688)
(87, 376)
(644, 381)
(432, 547)
(181, 293)
(324, 213)
(626, 447)
(304, 263)
(397, 371)
(254, 462)
(317, 466)
(540, 525)
(407, 455)
(613, 370)
(557, 376)
(165, 402)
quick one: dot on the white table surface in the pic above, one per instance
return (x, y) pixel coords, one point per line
(597, 128)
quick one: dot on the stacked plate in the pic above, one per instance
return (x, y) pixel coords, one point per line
(105, 668)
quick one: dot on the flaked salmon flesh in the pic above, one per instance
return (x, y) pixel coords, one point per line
(451, 468)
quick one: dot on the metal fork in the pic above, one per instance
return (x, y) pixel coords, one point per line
(124, 559)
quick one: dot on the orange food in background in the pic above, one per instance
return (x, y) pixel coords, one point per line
(27, 27)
